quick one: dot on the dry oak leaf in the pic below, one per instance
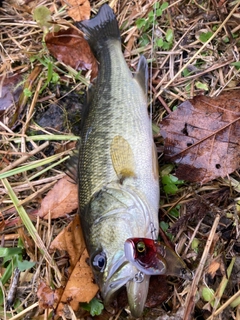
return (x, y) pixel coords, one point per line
(80, 286)
(62, 199)
(203, 137)
(71, 240)
(78, 9)
(214, 266)
(47, 297)
(70, 47)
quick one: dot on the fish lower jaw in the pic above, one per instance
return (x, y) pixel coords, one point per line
(136, 284)
(111, 287)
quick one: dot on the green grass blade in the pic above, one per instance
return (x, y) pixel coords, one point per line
(29, 226)
(46, 137)
(31, 166)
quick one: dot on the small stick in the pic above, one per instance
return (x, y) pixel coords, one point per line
(191, 294)
(24, 158)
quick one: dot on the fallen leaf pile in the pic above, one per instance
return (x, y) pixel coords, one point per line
(203, 135)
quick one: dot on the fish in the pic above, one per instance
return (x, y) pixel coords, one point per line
(118, 177)
(155, 258)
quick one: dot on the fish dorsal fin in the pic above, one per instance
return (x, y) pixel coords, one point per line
(122, 158)
(90, 92)
(72, 166)
(141, 76)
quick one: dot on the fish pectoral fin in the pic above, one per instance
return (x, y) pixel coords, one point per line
(122, 158)
(141, 76)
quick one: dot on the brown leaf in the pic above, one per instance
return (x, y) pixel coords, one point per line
(80, 286)
(202, 136)
(78, 9)
(70, 47)
(158, 291)
(214, 266)
(71, 240)
(47, 297)
(10, 92)
(60, 200)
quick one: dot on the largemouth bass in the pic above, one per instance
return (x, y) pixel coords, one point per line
(118, 169)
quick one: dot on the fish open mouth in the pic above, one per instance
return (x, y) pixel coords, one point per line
(121, 274)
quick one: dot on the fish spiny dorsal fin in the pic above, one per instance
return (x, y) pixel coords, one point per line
(141, 76)
(72, 166)
(122, 158)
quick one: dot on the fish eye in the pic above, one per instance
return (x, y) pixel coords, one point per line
(99, 261)
(141, 247)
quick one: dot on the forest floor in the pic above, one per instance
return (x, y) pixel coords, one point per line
(192, 48)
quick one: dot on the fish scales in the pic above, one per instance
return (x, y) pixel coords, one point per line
(118, 176)
(121, 110)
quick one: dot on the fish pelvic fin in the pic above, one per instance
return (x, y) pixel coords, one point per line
(100, 29)
(141, 76)
(122, 158)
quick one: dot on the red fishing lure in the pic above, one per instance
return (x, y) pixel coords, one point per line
(155, 258)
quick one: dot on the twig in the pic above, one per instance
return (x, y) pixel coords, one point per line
(191, 295)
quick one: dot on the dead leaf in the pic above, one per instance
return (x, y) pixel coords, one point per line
(71, 240)
(10, 92)
(202, 136)
(214, 266)
(70, 47)
(158, 291)
(62, 199)
(80, 286)
(48, 298)
(78, 9)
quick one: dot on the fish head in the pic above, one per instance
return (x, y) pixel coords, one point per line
(105, 240)
(112, 271)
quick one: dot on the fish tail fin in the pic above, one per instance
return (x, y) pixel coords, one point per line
(101, 28)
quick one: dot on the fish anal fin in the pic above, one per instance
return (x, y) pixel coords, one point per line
(141, 76)
(122, 158)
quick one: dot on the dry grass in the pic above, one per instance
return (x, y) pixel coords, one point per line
(209, 241)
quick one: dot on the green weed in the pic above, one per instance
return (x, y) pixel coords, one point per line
(95, 307)
(146, 25)
(171, 183)
(12, 259)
